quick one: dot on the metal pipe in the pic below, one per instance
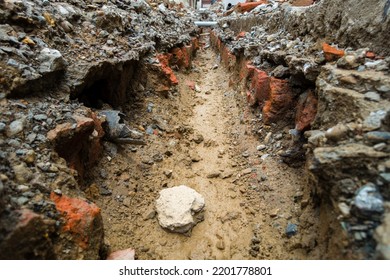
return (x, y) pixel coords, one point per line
(206, 23)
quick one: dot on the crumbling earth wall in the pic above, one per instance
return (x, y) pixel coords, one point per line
(323, 71)
(350, 23)
(59, 63)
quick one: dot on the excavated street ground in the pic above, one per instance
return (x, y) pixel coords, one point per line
(207, 145)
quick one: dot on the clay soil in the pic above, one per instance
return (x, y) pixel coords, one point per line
(205, 140)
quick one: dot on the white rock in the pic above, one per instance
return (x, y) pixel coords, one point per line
(176, 208)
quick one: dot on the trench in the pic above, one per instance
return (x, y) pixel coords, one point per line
(207, 139)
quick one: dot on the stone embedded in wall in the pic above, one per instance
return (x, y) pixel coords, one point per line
(163, 76)
(280, 101)
(166, 69)
(246, 7)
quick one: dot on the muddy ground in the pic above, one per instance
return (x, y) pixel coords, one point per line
(202, 137)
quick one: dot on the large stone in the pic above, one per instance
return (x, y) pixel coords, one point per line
(178, 208)
(337, 132)
(15, 127)
(259, 85)
(330, 156)
(368, 202)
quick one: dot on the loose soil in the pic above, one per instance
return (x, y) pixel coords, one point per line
(249, 201)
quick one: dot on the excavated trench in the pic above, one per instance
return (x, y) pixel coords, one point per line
(283, 133)
(206, 136)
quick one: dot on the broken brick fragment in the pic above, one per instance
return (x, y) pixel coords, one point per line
(228, 59)
(166, 70)
(259, 87)
(83, 225)
(370, 55)
(280, 100)
(177, 57)
(181, 57)
(244, 70)
(331, 53)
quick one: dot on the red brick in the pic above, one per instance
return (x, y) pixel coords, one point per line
(370, 55)
(228, 59)
(246, 7)
(259, 87)
(306, 111)
(280, 100)
(176, 57)
(241, 34)
(82, 222)
(331, 53)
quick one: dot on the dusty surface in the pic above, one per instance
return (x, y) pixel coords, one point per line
(249, 201)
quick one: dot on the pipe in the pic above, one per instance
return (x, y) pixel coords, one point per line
(206, 23)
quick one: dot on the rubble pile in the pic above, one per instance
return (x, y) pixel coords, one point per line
(332, 82)
(61, 45)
